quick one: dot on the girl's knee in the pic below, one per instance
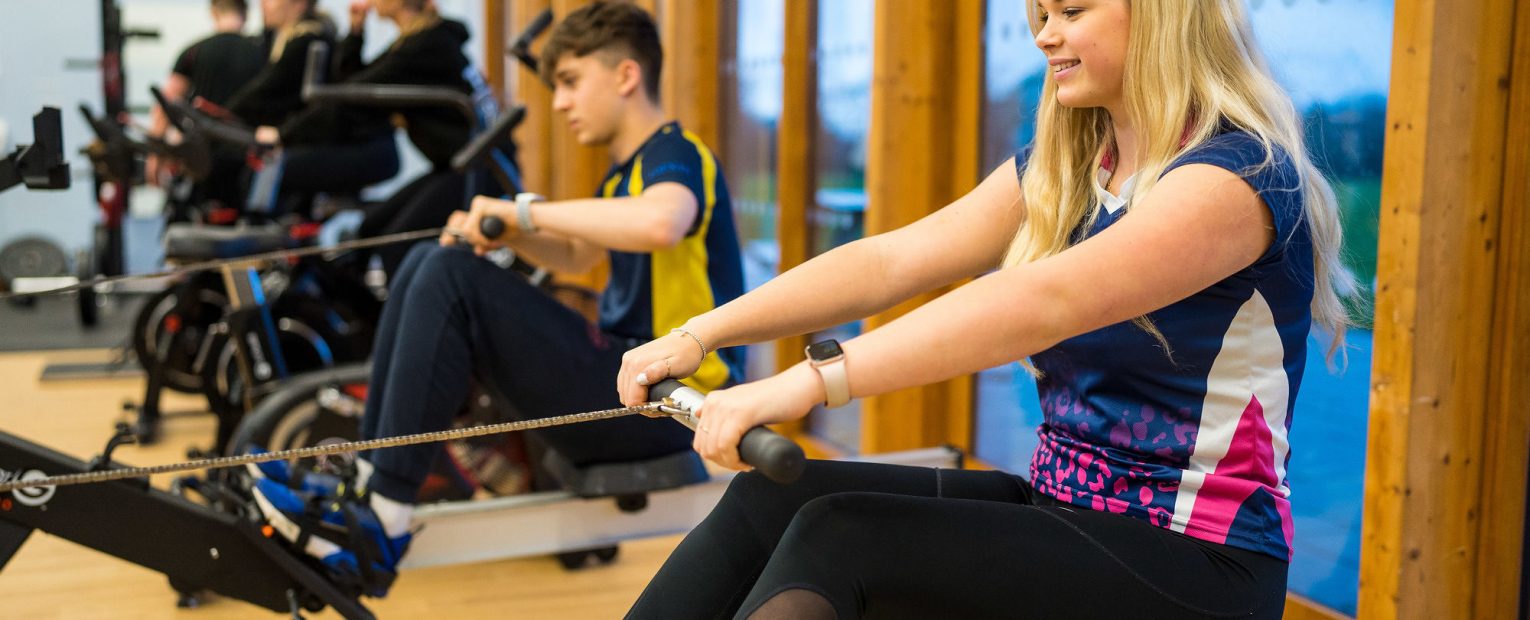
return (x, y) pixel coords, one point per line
(835, 520)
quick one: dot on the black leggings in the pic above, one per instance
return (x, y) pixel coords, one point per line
(883, 541)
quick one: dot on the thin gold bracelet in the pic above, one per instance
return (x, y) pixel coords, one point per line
(693, 336)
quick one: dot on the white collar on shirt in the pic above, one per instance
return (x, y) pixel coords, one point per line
(1112, 202)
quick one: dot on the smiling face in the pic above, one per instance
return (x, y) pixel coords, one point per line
(1085, 45)
(590, 91)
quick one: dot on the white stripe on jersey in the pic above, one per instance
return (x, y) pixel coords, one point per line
(1251, 364)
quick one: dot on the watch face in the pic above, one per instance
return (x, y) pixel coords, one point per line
(824, 350)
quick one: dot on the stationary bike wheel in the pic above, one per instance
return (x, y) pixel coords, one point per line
(173, 340)
(317, 408)
(305, 348)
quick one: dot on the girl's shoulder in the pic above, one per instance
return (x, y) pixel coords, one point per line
(1243, 153)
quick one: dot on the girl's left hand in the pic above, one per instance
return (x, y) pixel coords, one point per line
(727, 414)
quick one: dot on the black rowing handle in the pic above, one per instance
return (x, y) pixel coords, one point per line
(779, 458)
(491, 227)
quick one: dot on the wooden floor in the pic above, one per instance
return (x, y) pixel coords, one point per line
(53, 578)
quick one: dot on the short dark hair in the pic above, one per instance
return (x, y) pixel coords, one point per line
(231, 6)
(619, 27)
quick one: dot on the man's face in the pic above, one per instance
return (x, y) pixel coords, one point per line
(588, 91)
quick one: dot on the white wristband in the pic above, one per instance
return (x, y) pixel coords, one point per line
(523, 202)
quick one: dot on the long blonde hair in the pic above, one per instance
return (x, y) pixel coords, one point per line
(1191, 68)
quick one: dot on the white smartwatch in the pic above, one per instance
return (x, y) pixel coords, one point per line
(829, 360)
(523, 202)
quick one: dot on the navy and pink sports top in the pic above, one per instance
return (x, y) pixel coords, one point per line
(1197, 443)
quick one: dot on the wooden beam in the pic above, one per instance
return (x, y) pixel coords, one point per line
(1501, 541)
(1299, 607)
(1441, 211)
(689, 89)
(534, 136)
(494, 24)
(966, 171)
(796, 177)
(923, 152)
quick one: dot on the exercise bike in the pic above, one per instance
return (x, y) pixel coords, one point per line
(323, 313)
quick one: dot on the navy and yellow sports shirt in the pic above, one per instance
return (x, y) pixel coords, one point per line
(651, 293)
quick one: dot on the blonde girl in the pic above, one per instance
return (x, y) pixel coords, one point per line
(1159, 254)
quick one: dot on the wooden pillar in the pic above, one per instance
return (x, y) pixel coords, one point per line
(689, 88)
(494, 24)
(1436, 481)
(796, 176)
(1501, 539)
(923, 154)
(534, 136)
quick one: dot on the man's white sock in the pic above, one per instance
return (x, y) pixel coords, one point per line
(394, 516)
(363, 473)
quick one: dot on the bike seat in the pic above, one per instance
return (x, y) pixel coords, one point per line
(626, 478)
(191, 242)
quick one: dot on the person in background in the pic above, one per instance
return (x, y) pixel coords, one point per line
(212, 69)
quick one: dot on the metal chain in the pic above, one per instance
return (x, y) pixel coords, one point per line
(328, 449)
(268, 257)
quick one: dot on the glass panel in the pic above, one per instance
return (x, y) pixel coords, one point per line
(1338, 77)
(1006, 407)
(751, 108)
(838, 213)
(1013, 71)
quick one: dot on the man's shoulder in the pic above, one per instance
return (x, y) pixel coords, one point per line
(229, 44)
(674, 144)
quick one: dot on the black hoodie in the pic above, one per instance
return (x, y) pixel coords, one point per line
(431, 57)
(275, 93)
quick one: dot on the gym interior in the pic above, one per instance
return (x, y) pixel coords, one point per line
(146, 323)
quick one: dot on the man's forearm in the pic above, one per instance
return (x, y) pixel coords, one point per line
(614, 223)
(556, 252)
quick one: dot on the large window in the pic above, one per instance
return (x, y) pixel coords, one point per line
(751, 109)
(844, 118)
(1337, 76)
(1007, 408)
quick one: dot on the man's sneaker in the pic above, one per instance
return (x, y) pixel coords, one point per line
(308, 481)
(341, 532)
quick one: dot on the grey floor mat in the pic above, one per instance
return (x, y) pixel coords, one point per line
(53, 323)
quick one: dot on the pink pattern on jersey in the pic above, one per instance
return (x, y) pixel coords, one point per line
(1248, 467)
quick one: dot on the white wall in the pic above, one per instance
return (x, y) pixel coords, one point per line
(37, 38)
(37, 42)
